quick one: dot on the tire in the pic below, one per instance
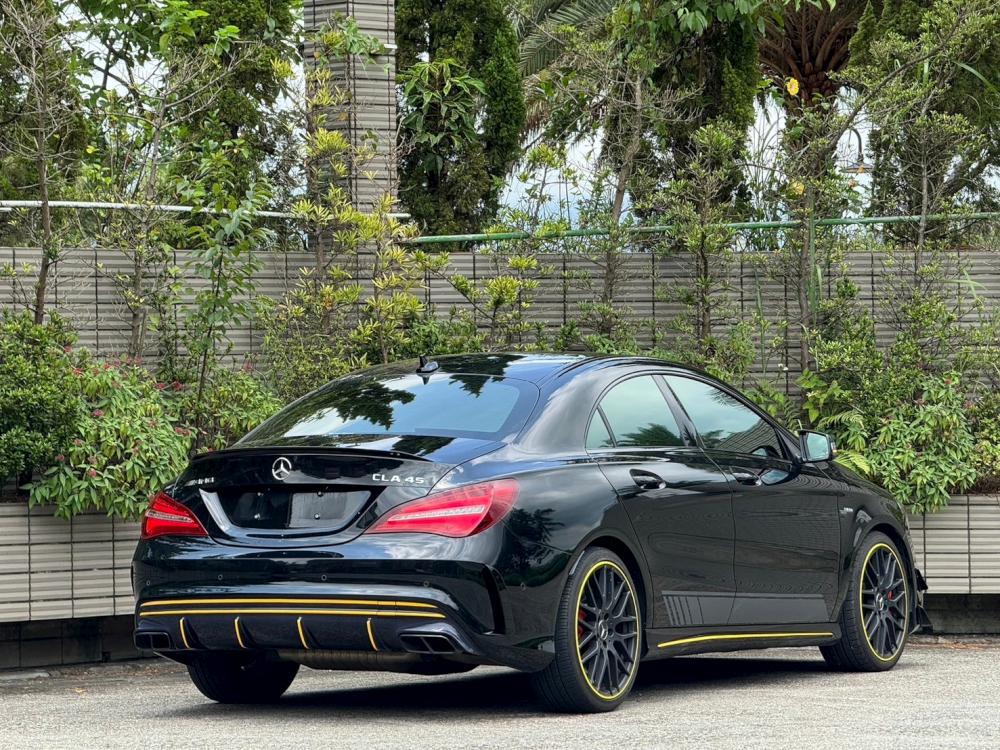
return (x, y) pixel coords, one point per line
(227, 679)
(610, 637)
(877, 579)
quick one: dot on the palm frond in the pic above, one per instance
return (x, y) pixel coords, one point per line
(541, 44)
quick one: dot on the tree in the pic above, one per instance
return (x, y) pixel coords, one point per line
(43, 138)
(935, 130)
(251, 41)
(453, 184)
(809, 41)
(149, 92)
(641, 77)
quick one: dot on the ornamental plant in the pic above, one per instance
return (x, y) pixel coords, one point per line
(123, 449)
(232, 404)
(40, 408)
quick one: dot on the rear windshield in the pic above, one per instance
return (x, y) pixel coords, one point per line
(475, 406)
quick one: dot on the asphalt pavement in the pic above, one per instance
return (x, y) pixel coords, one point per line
(940, 695)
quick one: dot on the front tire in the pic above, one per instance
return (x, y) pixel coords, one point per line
(598, 638)
(875, 618)
(228, 679)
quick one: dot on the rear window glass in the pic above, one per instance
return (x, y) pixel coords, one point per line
(446, 405)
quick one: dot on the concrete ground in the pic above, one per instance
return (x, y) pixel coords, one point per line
(940, 695)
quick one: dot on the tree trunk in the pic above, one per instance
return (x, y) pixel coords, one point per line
(41, 285)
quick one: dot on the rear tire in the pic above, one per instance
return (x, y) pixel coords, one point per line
(875, 618)
(228, 679)
(598, 638)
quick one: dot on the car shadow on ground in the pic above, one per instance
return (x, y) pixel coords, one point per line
(496, 693)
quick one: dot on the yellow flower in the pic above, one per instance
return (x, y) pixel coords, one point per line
(792, 86)
(797, 187)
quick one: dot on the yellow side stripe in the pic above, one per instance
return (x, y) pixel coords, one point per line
(346, 612)
(739, 636)
(184, 636)
(371, 635)
(239, 636)
(364, 602)
(302, 634)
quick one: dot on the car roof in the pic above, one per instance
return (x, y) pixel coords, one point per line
(537, 367)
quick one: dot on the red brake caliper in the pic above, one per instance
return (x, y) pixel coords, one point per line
(580, 616)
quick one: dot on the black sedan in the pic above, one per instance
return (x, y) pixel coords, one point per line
(568, 516)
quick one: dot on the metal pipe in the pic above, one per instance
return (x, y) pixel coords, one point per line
(667, 228)
(8, 205)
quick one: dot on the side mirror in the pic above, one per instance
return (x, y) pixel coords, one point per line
(816, 446)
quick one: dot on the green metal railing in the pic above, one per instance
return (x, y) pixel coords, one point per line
(667, 228)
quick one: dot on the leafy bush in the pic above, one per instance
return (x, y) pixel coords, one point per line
(39, 405)
(232, 404)
(896, 413)
(125, 448)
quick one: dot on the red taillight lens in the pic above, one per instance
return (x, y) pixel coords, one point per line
(460, 512)
(167, 517)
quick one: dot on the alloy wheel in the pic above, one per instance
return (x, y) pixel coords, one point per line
(884, 602)
(607, 632)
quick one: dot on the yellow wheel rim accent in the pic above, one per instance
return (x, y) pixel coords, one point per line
(906, 599)
(638, 626)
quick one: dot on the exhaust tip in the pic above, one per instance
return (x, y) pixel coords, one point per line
(428, 643)
(153, 641)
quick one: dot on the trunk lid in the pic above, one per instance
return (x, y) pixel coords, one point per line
(315, 492)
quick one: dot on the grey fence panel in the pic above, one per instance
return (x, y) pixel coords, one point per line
(51, 568)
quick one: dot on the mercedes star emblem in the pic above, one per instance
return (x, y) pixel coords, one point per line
(281, 468)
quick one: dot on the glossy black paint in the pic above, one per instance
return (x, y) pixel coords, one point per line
(716, 542)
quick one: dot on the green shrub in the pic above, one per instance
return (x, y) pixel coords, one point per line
(232, 404)
(126, 446)
(984, 417)
(893, 412)
(39, 406)
(923, 450)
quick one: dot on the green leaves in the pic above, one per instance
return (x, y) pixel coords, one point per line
(125, 447)
(39, 407)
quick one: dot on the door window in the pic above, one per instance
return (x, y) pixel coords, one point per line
(638, 415)
(723, 422)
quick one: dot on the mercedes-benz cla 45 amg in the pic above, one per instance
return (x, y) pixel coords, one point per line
(567, 516)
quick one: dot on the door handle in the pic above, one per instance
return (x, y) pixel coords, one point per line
(747, 477)
(647, 480)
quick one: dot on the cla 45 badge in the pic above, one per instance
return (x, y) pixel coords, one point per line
(396, 479)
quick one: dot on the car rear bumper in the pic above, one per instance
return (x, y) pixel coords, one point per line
(195, 595)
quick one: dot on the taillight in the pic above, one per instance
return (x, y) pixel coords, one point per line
(167, 517)
(463, 511)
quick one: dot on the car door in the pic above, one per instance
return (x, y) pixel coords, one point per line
(785, 512)
(678, 501)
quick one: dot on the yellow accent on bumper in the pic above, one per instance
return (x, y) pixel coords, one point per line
(265, 611)
(184, 637)
(242, 600)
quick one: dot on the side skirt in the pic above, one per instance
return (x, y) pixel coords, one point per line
(665, 642)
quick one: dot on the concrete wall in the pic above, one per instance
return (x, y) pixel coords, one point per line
(373, 90)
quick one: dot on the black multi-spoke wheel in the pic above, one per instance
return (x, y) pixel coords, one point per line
(607, 629)
(875, 620)
(883, 601)
(598, 638)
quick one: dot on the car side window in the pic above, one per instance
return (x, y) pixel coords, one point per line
(638, 415)
(723, 422)
(598, 435)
